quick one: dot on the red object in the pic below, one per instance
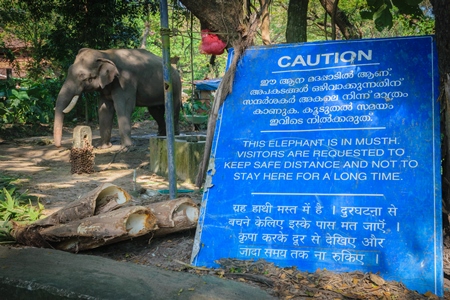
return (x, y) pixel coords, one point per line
(211, 44)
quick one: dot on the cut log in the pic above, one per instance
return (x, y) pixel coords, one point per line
(110, 198)
(175, 215)
(95, 220)
(104, 198)
(92, 232)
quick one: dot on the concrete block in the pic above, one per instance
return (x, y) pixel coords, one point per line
(80, 133)
(188, 156)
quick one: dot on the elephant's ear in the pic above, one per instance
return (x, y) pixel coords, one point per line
(107, 71)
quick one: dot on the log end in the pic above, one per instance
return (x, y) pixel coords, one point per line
(139, 223)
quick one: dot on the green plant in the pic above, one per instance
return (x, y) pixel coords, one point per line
(12, 207)
(30, 103)
(235, 270)
(5, 229)
(195, 107)
(15, 206)
(141, 114)
(18, 106)
(7, 182)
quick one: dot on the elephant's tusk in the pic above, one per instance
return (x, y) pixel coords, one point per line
(71, 104)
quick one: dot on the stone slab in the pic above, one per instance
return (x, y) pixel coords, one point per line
(32, 273)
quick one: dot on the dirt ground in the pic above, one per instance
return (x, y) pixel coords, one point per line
(45, 172)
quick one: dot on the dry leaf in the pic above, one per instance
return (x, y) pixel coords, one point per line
(377, 279)
(431, 295)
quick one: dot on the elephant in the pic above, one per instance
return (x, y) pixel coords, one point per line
(125, 78)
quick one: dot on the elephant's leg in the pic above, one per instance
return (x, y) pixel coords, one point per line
(105, 116)
(124, 106)
(157, 112)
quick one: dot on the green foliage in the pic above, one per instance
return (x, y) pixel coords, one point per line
(31, 22)
(56, 29)
(7, 182)
(406, 25)
(14, 205)
(30, 103)
(17, 106)
(195, 107)
(383, 12)
(140, 114)
(95, 24)
(13, 209)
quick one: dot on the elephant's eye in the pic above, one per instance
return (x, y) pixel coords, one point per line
(90, 79)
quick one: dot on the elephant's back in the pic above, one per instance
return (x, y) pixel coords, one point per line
(145, 70)
(133, 58)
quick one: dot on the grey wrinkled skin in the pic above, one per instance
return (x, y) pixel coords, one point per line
(125, 78)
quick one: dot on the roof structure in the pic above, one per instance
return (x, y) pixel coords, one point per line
(11, 43)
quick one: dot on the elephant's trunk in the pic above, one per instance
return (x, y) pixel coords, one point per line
(65, 102)
(57, 128)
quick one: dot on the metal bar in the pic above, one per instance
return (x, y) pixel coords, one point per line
(168, 99)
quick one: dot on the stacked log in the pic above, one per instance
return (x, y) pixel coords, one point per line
(104, 216)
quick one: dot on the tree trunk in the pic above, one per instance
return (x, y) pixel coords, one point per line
(348, 29)
(333, 20)
(441, 10)
(265, 21)
(145, 34)
(296, 21)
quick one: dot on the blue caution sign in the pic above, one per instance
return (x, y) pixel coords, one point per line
(327, 155)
